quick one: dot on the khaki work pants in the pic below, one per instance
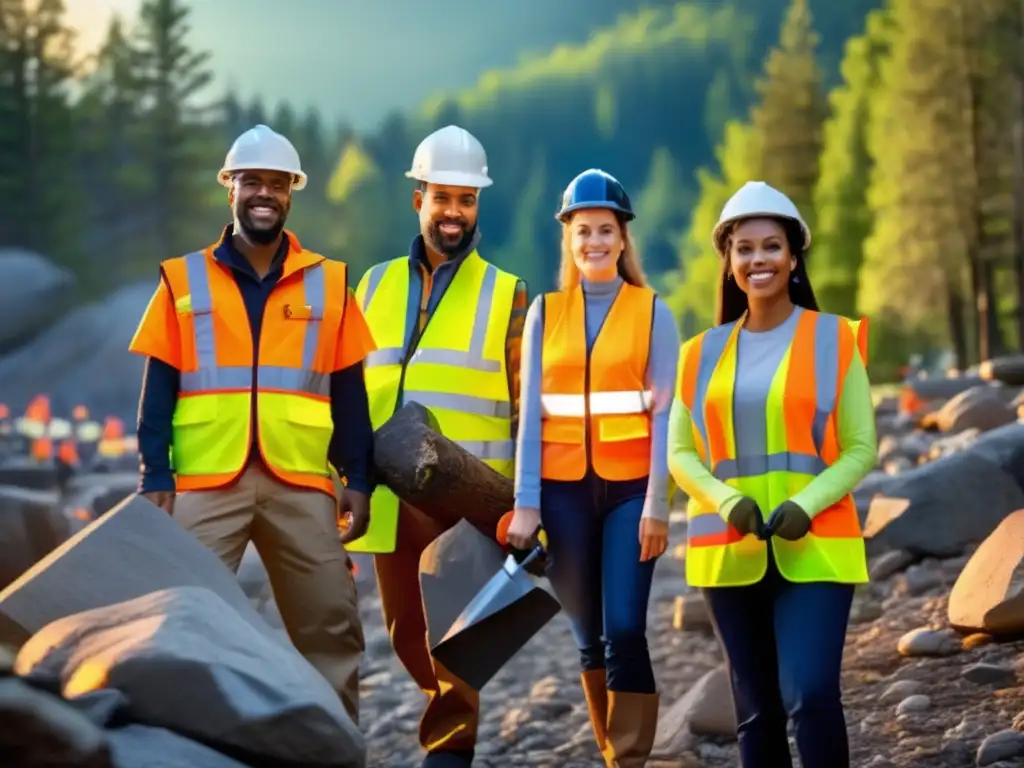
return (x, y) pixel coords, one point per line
(296, 534)
(451, 717)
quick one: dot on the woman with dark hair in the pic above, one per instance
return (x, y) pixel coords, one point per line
(598, 373)
(771, 428)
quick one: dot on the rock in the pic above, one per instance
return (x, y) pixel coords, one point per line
(22, 472)
(925, 511)
(83, 358)
(912, 704)
(691, 614)
(919, 579)
(1004, 447)
(983, 407)
(706, 709)
(987, 596)
(31, 526)
(864, 610)
(873, 484)
(133, 550)
(245, 692)
(928, 642)
(135, 746)
(990, 674)
(1000, 746)
(32, 290)
(38, 729)
(900, 690)
(889, 564)
(977, 640)
(955, 443)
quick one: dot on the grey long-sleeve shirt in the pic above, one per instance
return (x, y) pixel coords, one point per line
(660, 380)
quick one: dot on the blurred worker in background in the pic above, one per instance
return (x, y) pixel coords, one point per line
(599, 366)
(254, 384)
(448, 327)
(771, 430)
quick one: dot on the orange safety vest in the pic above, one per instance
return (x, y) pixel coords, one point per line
(289, 377)
(68, 453)
(800, 442)
(596, 410)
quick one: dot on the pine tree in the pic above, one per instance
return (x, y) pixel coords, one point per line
(661, 207)
(788, 119)
(174, 144)
(36, 130)
(843, 218)
(694, 298)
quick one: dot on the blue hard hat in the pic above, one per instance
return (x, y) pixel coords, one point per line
(595, 189)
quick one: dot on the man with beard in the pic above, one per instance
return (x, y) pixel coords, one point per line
(448, 327)
(253, 388)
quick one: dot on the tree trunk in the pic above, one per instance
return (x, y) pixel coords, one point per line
(436, 476)
(957, 329)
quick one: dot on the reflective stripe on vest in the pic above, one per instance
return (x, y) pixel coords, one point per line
(608, 427)
(212, 376)
(457, 368)
(771, 460)
(212, 429)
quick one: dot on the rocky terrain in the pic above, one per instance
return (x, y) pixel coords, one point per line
(934, 660)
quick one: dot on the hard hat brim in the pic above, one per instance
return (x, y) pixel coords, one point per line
(563, 214)
(452, 178)
(716, 235)
(225, 175)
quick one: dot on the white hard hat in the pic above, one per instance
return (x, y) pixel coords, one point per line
(754, 199)
(451, 155)
(262, 149)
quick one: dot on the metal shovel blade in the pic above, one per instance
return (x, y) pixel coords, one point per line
(500, 620)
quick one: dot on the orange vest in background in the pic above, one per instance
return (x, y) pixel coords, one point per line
(42, 449)
(68, 452)
(596, 406)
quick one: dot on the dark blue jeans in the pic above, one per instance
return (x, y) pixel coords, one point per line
(784, 644)
(594, 567)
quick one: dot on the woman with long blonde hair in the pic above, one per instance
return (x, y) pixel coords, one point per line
(598, 370)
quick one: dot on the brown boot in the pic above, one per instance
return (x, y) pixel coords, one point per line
(596, 691)
(632, 723)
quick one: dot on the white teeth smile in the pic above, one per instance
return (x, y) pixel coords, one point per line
(594, 255)
(451, 229)
(760, 277)
(262, 210)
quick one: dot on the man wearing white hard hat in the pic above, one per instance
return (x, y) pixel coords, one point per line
(771, 430)
(448, 328)
(254, 388)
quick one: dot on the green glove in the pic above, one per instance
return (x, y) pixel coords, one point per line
(746, 517)
(788, 522)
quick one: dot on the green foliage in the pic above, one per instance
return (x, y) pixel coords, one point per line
(844, 219)
(788, 117)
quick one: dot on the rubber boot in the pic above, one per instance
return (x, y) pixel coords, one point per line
(632, 724)
(596, 691)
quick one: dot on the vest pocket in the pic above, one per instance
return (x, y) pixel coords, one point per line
(619, 429)
(568, 432)
(301, 444)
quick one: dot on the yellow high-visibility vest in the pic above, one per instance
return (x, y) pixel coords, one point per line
(801, 441)
(456, 369)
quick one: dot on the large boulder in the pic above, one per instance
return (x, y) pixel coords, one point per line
(134, 549)
(31, 526)
(989, 594)
(185, 661)
(134, 746)
(32, 294)
(939, 508)
(83, 358)
(1004, 447)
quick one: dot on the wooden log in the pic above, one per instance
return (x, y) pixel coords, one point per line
(440, 478)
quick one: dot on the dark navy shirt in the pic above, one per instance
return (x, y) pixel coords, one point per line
(351, 449)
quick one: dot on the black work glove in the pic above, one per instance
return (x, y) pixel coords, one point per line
(788, 522)
(746, 518)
